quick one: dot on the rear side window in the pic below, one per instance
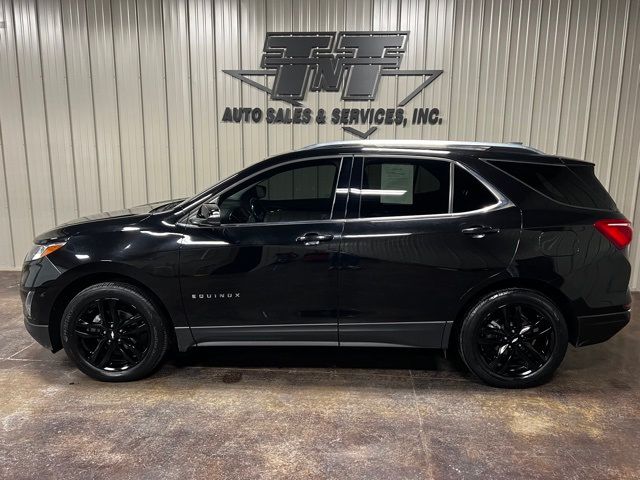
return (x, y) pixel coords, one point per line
(574, 185)
(469, 193)
(399, 188)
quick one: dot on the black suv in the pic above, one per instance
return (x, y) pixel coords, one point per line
(498, 250)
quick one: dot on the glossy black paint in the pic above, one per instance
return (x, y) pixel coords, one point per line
(389, 281)
(399, 276)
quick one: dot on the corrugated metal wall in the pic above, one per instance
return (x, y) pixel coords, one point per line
(107, 104)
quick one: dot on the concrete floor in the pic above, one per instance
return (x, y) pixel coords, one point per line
(307, 413)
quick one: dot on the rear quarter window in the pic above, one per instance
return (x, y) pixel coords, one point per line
(574, 185)
(468, 193)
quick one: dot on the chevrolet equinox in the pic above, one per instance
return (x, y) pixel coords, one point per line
(497, 250)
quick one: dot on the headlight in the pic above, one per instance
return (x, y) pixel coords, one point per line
(40, 251)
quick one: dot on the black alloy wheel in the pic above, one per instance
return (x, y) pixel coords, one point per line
(114, 332)
(513, 338)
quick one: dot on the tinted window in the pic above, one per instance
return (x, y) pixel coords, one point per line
(397, 188)
(292, 193)
(469, 193)
(575, 185)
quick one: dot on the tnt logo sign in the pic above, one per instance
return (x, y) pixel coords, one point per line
(330, 61)
(351, 63)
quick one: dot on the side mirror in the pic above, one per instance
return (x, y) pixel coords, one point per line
(208, 214)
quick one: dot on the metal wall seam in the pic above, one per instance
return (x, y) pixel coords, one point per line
(33, 115)
(126, 61)
(618, 94)
(105, 101)
(155, 124)
(227, 40)
(203, 85)
(15, 157)
(55, 87)
(80, 105)
(376, 15)
(278, 19)
(253, 30)
(535, 71)
(6, 234)
(178, 85)
(592, 75)
(563, 79)
(607, 66)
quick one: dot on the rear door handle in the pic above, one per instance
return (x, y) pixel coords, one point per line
(311, 239)
(479, 231)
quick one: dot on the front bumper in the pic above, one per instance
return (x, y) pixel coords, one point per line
(40, 333)
(599, 328)
(38, 290)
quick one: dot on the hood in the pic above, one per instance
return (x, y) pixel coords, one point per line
(106, 220)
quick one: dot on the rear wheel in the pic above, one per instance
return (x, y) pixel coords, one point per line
(113, 332)
(513, 338)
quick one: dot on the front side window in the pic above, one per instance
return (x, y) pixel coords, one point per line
(299, 192)
(402, 188)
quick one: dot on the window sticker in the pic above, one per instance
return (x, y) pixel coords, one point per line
(396, 184)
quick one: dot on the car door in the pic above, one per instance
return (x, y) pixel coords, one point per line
(419, 234)
(268, 274)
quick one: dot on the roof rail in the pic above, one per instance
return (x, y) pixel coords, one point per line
(423, 144)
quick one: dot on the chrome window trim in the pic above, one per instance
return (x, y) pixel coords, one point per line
(299, 222)
(490, 208)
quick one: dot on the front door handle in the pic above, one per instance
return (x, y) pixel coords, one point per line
(479, 231)
(311, 239)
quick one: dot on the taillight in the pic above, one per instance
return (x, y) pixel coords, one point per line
(618, 232)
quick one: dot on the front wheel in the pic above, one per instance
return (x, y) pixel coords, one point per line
(513, 338)
(113, 332)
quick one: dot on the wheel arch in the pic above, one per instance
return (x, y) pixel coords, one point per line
(79, 284)
(553, 293)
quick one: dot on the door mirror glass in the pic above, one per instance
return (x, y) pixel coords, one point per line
(208, 214)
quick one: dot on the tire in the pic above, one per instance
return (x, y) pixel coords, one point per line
(126, 345)
(513, 338)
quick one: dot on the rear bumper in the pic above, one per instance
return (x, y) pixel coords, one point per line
(40, 333)
(598, 328)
